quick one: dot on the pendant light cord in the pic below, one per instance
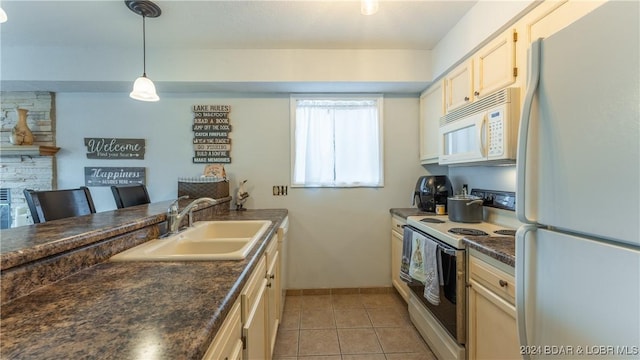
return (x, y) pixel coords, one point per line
(144, 48)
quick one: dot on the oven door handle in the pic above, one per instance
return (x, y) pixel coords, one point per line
(448, 251)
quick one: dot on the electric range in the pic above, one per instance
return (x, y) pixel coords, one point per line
(443, 325)
(452, 233)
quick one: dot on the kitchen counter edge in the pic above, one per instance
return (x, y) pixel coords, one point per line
(128, 309)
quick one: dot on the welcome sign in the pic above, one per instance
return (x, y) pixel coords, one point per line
(114, 148)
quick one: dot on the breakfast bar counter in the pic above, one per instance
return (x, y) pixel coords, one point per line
(119, 310)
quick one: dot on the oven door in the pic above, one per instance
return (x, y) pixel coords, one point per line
(463, 140)
(451, 311)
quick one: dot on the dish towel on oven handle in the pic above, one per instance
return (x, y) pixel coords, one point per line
(407, 239)
(424, 266)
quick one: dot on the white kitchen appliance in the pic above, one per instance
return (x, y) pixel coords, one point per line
(578, 191)
(481, 132)
(443, 326)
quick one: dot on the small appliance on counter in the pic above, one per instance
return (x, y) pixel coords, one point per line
(431, 191)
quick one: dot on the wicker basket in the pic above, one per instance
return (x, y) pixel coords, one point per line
(202, 187)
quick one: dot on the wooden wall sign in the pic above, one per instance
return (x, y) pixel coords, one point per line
(113, 148)
(211, 128)
(107, 176)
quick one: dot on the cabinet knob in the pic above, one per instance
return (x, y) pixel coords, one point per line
(466, 98)
(272, 276)
(476, 93)
(503, 283)
(268, 285)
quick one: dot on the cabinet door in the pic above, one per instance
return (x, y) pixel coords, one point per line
(255, 329)
(552, 16)
(495, 65)
(431, 110)
(227, 343)
(459, 86)
(273, 301)
(492, 329)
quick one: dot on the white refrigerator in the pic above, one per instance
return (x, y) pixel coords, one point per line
(578, 191)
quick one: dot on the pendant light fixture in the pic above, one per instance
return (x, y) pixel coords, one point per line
(3, 16)
(368, 7)
(143, 88)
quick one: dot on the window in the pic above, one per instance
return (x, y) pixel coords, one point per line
(336, 141)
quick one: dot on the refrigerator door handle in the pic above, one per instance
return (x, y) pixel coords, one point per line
(523, 134)
(521, 273)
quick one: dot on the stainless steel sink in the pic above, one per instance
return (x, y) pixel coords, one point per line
(205, 240)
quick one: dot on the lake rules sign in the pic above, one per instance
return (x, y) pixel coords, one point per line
(211, 128)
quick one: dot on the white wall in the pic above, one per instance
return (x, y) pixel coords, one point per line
(339, 237)
(502, 178)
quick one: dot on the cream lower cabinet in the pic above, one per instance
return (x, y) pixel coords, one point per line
(228, 344)
(254, 314)
(492, 330)
(249, 331)
(396, 257)
(283, 234)
(274, 294)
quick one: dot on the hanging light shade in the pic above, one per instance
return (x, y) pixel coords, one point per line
(368, 7)
(3, 16)
(143, 87)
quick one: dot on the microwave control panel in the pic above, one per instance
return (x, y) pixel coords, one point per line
(496, 132)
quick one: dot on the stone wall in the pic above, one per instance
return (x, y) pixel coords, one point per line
(19, 172)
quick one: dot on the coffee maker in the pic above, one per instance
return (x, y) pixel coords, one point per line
(431, 191)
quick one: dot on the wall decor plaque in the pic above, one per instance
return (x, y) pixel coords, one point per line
(114, 148)
(107, 176)
(211, 128)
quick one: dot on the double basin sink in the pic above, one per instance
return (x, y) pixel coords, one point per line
(205, 240)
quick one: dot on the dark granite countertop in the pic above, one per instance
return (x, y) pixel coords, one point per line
(406, 212)
(501, 248)
(126, 310)
(29, 243)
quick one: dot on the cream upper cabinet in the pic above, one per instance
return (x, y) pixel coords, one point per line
(492, 329)
(491, 68)
(431, 109)
(495, 65)
(459, 86)
(552, 16)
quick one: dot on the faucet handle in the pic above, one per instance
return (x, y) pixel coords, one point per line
(173, 208)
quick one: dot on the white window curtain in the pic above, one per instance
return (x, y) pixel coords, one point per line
(337, 142)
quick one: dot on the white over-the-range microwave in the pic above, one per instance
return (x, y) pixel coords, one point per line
(482, 132)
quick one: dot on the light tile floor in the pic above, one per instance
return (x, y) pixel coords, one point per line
(348, 327)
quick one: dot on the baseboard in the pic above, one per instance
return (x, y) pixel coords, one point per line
(341, 291)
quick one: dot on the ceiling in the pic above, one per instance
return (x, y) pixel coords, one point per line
(258, 24)
(237, 24)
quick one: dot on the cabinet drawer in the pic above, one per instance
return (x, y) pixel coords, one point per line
(396, 224)
(227, 340)
(494, 279)
(251, 291)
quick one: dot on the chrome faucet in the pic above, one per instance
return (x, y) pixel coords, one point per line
(174, 218)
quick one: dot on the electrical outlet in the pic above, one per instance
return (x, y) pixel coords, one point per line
(280, 190)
